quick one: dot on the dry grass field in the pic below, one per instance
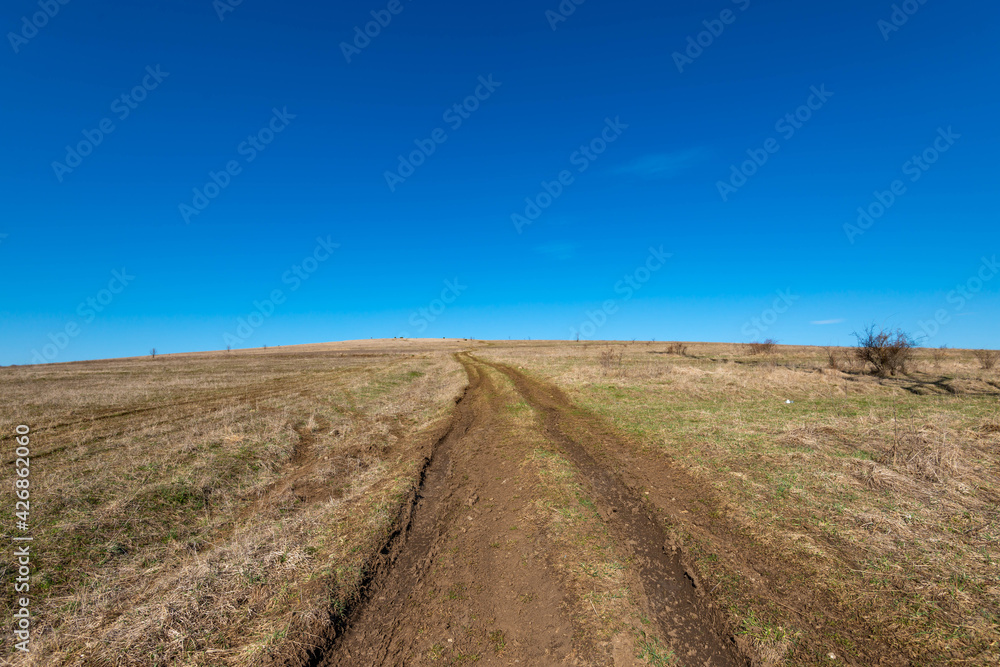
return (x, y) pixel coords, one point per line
(860, 520)
(583, 503)
(197, 509)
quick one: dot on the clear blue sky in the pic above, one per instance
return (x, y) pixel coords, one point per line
(676, 117)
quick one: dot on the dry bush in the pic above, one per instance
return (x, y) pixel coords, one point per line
(987, 358)
(680, 349)
(939, 354)
(887, 351)
(833, 358)
(758, 349)
(612, 362)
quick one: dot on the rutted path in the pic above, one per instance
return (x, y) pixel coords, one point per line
(474, 579)
(695, 630)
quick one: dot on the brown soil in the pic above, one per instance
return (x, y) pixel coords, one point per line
(466, 579)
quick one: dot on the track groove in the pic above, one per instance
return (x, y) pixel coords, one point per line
(670, 588)
(444, 584)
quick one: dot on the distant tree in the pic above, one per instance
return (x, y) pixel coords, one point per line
(152, 353)
(229, 348)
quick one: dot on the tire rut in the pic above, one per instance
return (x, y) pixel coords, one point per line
(466, 578)
(671, 589)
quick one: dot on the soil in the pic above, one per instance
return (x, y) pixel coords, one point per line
(456, 587)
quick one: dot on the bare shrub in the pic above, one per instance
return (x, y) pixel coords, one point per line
(680, 349)
(612, 362)
(887, 351)
(987, 358)
(756, 348)
(152, 353)
(833, 358)
(939, 354)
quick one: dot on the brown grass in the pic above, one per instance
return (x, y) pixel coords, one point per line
(680, 349)
(203, 509)
(880, 493)
(987, 358)
(611, 361)
(757, 348)
(206, 509)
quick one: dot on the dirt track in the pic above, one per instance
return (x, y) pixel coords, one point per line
(457, 587)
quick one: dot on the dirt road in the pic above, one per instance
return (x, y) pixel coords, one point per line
(476, 576)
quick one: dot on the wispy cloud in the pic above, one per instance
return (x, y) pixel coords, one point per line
(560, 251)
(663, 165)
(822, 322)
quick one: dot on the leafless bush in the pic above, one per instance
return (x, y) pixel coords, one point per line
(939, 354)
(757, 348)
(887, 351)
(680, 349)
(987, 358)
(833, 358)
(612, 362)
(152, 353)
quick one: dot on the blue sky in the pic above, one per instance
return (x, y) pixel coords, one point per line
(249, 190)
